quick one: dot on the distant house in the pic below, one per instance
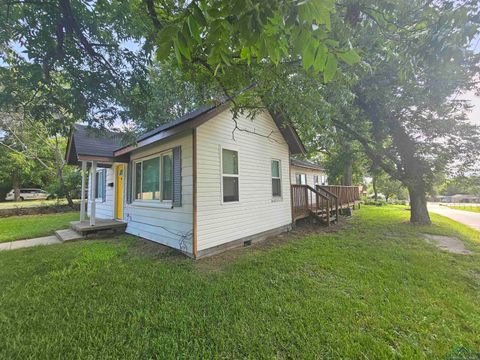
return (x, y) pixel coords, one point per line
(458, 198)
(307, 173)
(196, 184)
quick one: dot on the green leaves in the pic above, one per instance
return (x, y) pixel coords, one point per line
(316, 12)
(309, 52)
(255, 31)
(350, 57)
(330, 68)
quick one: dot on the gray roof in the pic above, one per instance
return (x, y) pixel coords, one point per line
(87, 141)
(305, 164)
(182, 119)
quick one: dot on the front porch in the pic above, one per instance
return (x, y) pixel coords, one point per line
(85, 227)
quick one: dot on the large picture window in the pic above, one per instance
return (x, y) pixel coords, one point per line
(153, 178)
(230, 175)
(276, 180)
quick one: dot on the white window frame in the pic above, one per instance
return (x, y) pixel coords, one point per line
(222, 175)
(279, 178)
(305, 174)
(316, 180)
(152, 202)
(104, 182)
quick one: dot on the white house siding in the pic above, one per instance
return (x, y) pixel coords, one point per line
(219, 223)
(309, 172)
(169, 226)
(103, 209)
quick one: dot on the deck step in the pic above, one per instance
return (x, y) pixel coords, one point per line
(68, 235)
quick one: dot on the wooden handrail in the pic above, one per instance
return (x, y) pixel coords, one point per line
(347, 195)
(334, 199)
(307, 200)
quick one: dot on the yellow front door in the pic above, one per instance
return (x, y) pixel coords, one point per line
(119, 192)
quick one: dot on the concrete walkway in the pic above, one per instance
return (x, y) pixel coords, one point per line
(465, 217)
(47, 240)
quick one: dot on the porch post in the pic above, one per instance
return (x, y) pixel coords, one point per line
(82, 193)
(92, 193)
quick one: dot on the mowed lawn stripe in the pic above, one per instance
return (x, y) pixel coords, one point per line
(375, 289)
(31, 226)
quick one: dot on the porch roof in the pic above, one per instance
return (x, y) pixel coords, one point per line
(92, 144)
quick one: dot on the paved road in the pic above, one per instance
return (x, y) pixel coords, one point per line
(465, 217)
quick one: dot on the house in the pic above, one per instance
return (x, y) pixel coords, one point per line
(307, 173)
(203, 183)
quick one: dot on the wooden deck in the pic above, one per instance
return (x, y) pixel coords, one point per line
(84, 227)
(323, 202)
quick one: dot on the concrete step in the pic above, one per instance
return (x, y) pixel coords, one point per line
(68, 235)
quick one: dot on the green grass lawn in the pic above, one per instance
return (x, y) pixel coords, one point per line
(30, 226)
(466, 208)
(374, 290)
(33, 203)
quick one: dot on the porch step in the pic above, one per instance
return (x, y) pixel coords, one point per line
(67, 235)
(101, 227)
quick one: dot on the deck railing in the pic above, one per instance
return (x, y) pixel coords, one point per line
(307, 200)
(332, 197)
(347, 195)
(323, 201)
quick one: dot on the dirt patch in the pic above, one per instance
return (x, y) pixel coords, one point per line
(219, 262)
(149, 248)
(447, 243)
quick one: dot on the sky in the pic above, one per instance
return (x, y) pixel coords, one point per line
(474, 99)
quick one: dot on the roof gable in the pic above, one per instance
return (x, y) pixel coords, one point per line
(85, 141)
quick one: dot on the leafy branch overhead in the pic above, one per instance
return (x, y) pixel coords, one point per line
(226, 33)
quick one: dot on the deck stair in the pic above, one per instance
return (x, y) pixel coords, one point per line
(323, 203)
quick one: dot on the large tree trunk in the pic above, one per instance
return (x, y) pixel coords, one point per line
(418, 207)
(347, 178)
(63, 189)
(375, 191)
(59, 163)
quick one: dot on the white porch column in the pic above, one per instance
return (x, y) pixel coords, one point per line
(92, 193)
(82, 193)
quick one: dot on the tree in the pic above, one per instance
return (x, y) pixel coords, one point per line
(32, 155)
(411, 125)
(91, 59)
(460, 185)
(382, 183)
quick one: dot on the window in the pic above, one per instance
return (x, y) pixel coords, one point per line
(276, 180)
(230, 175)
(153, 178)
(315, 180)
(167, 177)
(301, 179)
(100, 184)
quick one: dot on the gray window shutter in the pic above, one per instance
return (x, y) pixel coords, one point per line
(177, 176)
(129, 182)
(104, 184)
